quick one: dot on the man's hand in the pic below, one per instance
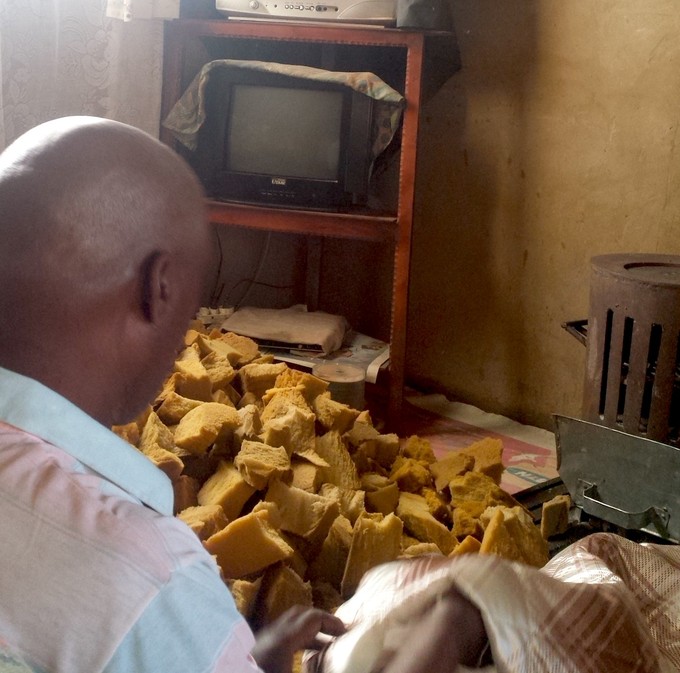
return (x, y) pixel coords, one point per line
(297, 629)
(451, 633)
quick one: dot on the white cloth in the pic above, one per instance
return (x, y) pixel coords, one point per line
(295, 326)
(604, 605)
(96, 574)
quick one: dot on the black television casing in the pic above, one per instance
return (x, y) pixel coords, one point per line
(348, 187)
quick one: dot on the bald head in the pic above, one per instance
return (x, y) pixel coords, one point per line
(83, 199)
(105, 242)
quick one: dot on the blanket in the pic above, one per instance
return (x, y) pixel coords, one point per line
(603, 605)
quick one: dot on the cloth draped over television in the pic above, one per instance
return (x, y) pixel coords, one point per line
(189, 113)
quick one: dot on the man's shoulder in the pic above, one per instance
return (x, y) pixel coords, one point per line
(81, 547)
(44, 484)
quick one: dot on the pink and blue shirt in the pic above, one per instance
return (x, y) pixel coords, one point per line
(95, 572)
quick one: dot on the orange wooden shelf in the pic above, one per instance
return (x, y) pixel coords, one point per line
(183, 39)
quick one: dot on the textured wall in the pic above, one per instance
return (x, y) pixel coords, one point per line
(555, 142)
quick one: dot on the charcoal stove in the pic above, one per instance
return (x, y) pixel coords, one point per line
(621, 462)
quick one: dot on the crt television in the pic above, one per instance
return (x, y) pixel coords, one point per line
(281, 140)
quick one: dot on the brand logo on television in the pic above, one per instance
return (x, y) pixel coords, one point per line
(279, 181)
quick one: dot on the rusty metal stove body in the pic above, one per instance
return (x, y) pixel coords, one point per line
(632, 338)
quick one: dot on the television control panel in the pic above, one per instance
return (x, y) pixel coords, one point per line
(372, 12)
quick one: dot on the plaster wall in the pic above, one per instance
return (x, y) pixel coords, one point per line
(557, 141)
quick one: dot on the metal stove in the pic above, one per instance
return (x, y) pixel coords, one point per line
(621, 462)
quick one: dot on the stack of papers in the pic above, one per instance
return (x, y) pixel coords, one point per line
(372, 355)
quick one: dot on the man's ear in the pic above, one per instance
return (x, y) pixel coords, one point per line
(155, 287)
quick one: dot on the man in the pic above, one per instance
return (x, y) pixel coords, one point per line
(104, 243)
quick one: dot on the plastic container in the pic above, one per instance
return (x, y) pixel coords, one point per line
(346, 382)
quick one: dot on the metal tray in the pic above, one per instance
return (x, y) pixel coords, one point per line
(625, 479)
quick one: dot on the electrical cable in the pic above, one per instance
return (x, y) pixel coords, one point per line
(218, 288)
(258, 270)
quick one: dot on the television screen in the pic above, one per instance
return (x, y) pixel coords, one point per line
(286, 131)
(284, 140)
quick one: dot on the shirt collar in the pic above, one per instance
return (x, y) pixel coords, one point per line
(30, 406)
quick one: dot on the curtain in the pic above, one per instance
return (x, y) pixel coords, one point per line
(143, 9)
(67, 57)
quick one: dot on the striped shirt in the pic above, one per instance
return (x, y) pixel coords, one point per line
(95, 572)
